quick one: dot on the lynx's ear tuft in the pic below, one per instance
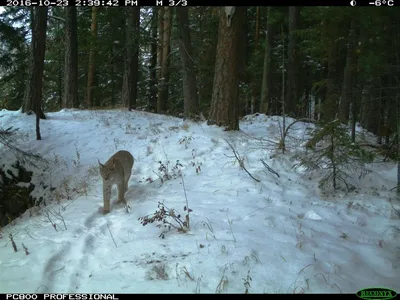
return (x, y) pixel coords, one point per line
(100, 163)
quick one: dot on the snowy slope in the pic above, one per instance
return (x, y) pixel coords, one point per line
(280, 231)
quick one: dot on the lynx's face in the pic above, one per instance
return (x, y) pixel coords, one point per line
(107, 172)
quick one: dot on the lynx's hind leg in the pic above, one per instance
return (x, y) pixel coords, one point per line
(121, 192)
(126, 184)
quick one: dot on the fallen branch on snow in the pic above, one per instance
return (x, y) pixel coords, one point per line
(241, 161)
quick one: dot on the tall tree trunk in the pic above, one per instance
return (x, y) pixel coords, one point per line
(113, 71)
(91, 72)
(254, 86)
(257, 34)
(224, 102)
(38, 51)
(292, 96)
(266, 87)
(329, 109)
(398, 131)
(131, 69)
(152, 105)
(329, 106)
(160, 48)
(355, 104)
(71, 58)
(33, 90)
(165, 21)
(191, 104)
(347, 88)
(60, 72)
(283, 102)
(397, 45)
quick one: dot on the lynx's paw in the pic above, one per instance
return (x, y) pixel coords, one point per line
(103, 210)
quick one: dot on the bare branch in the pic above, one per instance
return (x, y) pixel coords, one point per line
(299, 120)
(111, 236)
(56, 18)
(241, 161)
(269, 168)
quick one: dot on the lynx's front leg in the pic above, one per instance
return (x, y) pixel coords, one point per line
(106, 197)
(121, 192)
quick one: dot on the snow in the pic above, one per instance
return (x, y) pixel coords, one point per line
(282, 232)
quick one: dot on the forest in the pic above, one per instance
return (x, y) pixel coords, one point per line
(319, 63)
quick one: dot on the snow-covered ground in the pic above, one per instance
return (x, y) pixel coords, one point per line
(280, 232)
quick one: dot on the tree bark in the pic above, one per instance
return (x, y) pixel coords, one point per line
(33, 91)
(292, 96)
(71, 59)
(60, 72)
(91, 71)
(191, 104)
(257, 34)
(131, 68)
(347, 95)
(397, 45)
(165, 22)
(152, 105)
(266, 86)
(224, 102)
(38, 48)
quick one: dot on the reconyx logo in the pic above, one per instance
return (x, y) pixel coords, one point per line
(376, 293)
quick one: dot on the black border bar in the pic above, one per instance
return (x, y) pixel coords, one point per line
(172, 3)
(63, 296)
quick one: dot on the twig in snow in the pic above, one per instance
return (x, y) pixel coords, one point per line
(269, 168)
(112, 236)
(13, 243)
(26, 249)
(241, 161)
(186, 208)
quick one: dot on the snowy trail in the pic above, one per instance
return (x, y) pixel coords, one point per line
(281, 231)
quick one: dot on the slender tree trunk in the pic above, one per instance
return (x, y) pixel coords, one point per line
(165, 31)
(329, 109)
(91, 72)
(60, 73)
(254, 86)
(347, 88)
(398, 135)
(131, 70)
(397, 45)
(112, 75)
(160, 48)
(152, 106)
(354, 108)
(71, 58)
(292, 95)
(191, 104)
(225, 102)
(283, 92)
(38, 49)
(257, 34)
(266, 87)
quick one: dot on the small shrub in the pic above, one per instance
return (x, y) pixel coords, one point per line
(168, 219)
(186, 141)
(165, 173)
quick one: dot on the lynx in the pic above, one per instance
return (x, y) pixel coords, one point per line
(117, 170)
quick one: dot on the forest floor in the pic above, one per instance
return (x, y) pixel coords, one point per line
(278, 234)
